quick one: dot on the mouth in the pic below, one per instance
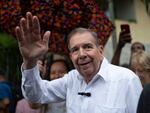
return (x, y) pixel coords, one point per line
(84, 63)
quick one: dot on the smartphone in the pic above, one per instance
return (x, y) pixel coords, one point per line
(126, 32)
(125, 28)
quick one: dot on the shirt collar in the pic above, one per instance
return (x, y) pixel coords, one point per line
(103, 71)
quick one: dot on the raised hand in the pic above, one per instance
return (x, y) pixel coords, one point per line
(31, 44)
(124, 38)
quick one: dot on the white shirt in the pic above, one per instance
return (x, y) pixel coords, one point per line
(113, 90)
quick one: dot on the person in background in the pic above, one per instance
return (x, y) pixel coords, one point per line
(23, 106)
(58, 69)
(124, 38)
(137, 46)
(6, 96)
(93, 86)
(140, 64)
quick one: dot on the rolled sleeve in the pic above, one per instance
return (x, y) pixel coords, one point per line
(37, 90)
(30, 79)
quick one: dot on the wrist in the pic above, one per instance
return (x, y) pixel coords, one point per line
(28, 64)
(120, 45)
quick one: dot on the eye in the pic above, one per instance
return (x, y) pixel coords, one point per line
(74, 50)
(88, 46)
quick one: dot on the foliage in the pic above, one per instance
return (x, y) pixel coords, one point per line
(7, 41)
(9, 56)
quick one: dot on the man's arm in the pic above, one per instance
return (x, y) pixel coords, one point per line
(32, 46)
(40, 91)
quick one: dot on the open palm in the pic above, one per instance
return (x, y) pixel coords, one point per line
(31, 44)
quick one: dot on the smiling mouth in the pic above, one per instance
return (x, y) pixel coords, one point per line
(82, 64)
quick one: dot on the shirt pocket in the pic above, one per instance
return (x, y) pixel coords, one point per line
(107, 109)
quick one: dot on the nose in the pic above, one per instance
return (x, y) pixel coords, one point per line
(82, 53)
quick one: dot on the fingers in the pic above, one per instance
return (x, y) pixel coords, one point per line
(124, 33)
(23, 26)
(126, 39)
(46, 37)
(18, 34)
(33, 26)
(20, 31)
(29, 20)
(33, 23)
(36, 25)
(30, 28)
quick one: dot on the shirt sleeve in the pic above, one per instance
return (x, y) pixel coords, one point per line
(133, 94)
(37, 90)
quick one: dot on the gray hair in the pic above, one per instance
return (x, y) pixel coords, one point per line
(82, 30)
(142, 58)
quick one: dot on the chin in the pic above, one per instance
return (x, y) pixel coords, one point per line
(87, 73)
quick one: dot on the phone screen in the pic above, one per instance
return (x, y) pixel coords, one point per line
(125, 28)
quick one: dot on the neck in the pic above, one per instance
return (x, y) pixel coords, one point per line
(88, 78)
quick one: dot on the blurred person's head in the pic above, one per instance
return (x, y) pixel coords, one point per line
(137, 46)
(140, 64)
(58, 68)
(5, 97)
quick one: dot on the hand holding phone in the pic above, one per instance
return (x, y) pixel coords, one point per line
(125, 34)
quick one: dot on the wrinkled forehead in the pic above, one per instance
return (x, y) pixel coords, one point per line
(80, 37)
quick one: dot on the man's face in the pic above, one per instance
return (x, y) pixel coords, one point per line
(85, 54)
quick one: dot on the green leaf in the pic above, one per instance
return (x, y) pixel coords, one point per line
(7, 41)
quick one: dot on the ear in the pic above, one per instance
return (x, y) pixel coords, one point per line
(100, 47)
